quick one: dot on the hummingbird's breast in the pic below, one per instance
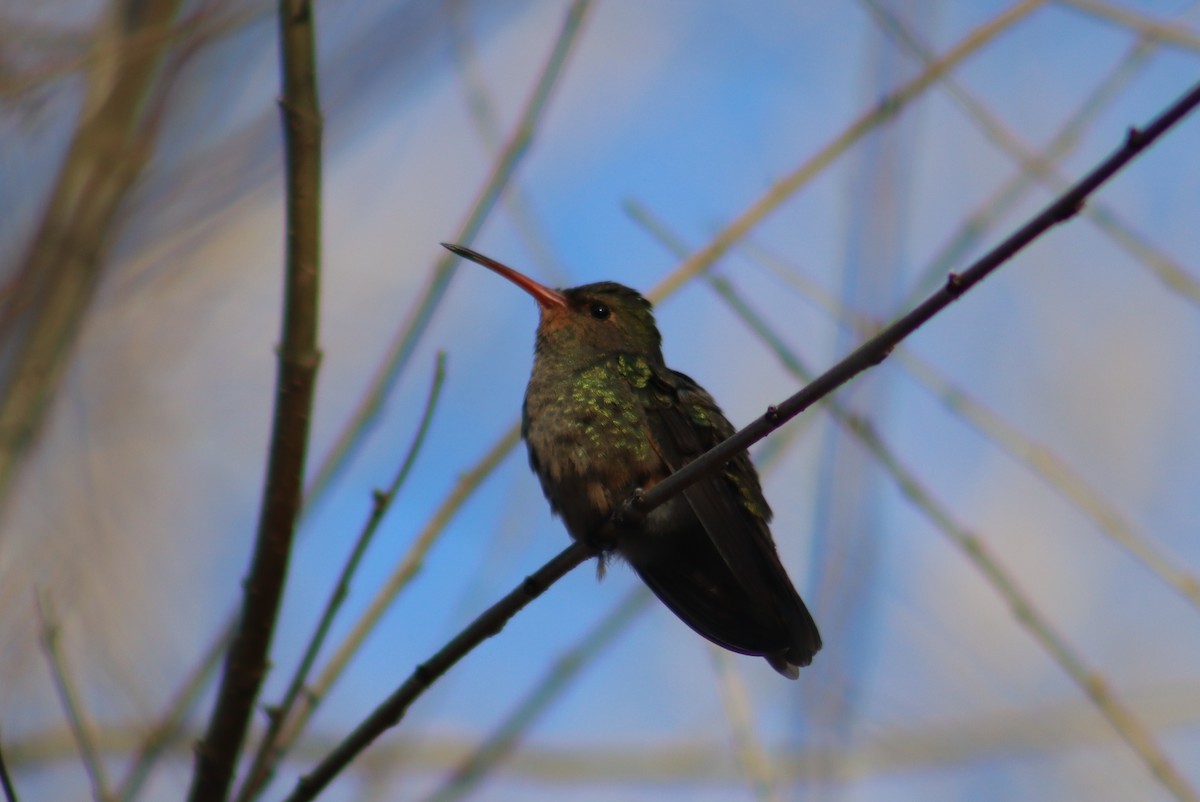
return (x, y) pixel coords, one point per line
(588, 437)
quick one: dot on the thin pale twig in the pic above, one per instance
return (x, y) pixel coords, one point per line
(1039, 459)
(77, 720)
(1167, 270)
(755, 762)
(483, 113)
(486, 625)
(268, 754)
(409, 566)
(169, 728)
(977, 224)
(1165, 32)
(405, 341)
(1093, 685)
(10, 791)
(883, 111)
(565, 669)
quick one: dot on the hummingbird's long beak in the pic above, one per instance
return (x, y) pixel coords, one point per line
(546, 297)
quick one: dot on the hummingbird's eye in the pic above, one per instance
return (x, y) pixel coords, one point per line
(599, 311)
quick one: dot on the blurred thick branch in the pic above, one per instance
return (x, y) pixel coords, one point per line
(246, 663)
(54, 287)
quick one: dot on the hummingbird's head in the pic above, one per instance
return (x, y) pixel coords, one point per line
(582, 322)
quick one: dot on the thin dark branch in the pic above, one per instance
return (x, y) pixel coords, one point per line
(10, 791)
(866, 355)
(388, 714)
(269, 751)
(69, 697)
(298, 357)
(877, 348)
(549, 689)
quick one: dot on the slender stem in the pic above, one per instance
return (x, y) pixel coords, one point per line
(1159, 30)
(1093, 685)
(388, 714)
(169, 728)
(1124, 236)
(752, 755)
(269, 753)
(298, 357)
(996, 206)
(10, 791)
(875, 350)
(883, 111)
(408, 568)
(69, 698)
(501, 742)
(405, 341)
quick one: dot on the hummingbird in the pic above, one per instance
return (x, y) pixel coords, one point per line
(605, 417)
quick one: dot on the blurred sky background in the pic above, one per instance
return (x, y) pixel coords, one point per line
(134, 510)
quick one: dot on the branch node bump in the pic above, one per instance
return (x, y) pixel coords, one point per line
(954, 285)
(424, 674)
(533, 586)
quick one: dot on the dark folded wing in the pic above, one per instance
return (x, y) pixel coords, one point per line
(733, 511)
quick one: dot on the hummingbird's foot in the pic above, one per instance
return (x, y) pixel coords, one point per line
(602, 540)
(629, 513)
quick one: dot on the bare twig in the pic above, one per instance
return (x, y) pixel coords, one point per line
(1136, 734)
(489, 623)
(503, 740)
(499, 745)
(246, 663)
(169, 728)
(887, 108)
(385, 376)
(976, 225)
(268, 753)
(81, 729)
(1167, 270)
(1164, 32)
(1127, 725)
(483, 113)
(1039, 459)
(868, 354)
(409, 566)
(405, 341)
(10, 791)
(875, 350)
(756, 763)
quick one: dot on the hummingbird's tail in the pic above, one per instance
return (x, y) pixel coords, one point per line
(698, 586)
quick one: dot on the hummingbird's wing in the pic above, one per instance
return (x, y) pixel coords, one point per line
(733, 589)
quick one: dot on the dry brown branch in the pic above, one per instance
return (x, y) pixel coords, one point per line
(57, 280)
(298, 357)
